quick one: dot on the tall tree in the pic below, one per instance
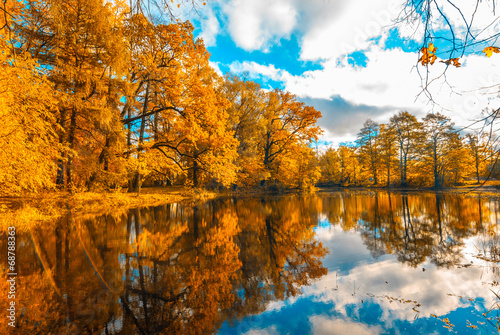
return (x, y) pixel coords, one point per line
(369, 147)
(81, 46)
(387, 142)
(27, 136)
(406, 128)
(477, 145)
(330, 167)
(245, 120)
(175, 99)
(286, 122)
(439, 131)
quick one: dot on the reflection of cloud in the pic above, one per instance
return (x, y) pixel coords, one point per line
(348, 248)
(275, 305)
(324, 326)
(439, 291)
(265, 331)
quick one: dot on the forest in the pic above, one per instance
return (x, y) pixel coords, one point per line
(408, 152)
(95, 96)
(98, 96)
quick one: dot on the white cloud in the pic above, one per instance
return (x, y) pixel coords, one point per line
(328, 30)
(390, 82)
(215, 66)
(210, 27)
(348, 29)
(254, 25)
(481, 19)
(256, 70)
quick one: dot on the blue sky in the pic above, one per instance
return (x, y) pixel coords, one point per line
(347, 58)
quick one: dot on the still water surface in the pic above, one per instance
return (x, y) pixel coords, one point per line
(332, 263)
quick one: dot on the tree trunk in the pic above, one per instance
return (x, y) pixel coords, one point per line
(136, 183)
(389, 172)
(60, 163)
(477, 167)
(437, 181)
(195, 171)
(71, 144)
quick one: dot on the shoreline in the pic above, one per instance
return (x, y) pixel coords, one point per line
(36, 210)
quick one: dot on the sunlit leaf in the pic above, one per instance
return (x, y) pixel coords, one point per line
(490, 50)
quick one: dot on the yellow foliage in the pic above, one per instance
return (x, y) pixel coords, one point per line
(428, 55)
(490, 50)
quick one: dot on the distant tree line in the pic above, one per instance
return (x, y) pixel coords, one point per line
(409, 152)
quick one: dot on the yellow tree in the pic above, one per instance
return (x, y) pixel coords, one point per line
(81, 45)
(477, 147)
(406, 129)
(458, 160)
(27, 136)
(330, 167)
(245, 114)
(173, 106)
(369, 151)
(387, 143)
(297, 167)
(350, 169)
(439, 132)
(285, 123)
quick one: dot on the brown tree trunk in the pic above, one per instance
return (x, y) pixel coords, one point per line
(71, 144)
(60, 163)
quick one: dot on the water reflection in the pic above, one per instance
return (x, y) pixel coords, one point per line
(207, 268)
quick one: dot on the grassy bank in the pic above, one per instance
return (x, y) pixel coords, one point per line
(50, 206)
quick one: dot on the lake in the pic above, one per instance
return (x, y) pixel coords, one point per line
(353, 262)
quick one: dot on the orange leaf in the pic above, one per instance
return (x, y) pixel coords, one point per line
(428, 55)
(490, 50)
(455, 62)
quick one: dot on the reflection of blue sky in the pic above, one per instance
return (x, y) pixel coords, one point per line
(366, 295)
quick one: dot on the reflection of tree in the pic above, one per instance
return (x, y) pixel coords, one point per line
(171, 269)
(186, 270)
(278, 251)
(417, 227)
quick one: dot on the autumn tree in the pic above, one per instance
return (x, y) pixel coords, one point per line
(477, 145)
(27, 137)
(245, 120)
(406, 133)
(286, 123)
(388, 148)
(180, 116)
(369, 147)
(458, 160)
(81, 46)
(350, 168)
(330, 167)
(439, 131)
(340, 166)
